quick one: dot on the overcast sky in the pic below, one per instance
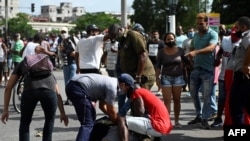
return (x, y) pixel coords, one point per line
(89, 5)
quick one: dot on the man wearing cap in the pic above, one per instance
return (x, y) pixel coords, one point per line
(89, 51)
(83, 90)
(155, 123)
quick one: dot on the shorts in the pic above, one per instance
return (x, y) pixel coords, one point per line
(141, 125)
(169, 81)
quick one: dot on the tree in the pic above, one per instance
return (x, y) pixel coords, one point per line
(102, 20)
(231, 10)
(152, 14)
(20, 25)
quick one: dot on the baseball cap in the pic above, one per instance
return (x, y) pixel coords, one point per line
(127, 79)
(64, 29)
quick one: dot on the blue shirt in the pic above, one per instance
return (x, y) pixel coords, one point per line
(180, 39)
(205, 61)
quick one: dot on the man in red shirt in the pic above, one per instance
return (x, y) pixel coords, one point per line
(149, 114)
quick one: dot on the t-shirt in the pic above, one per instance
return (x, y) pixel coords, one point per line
(35, 83)
(205, 61)
(132, 44)
(180, 39)
(153, 48)
(158, 112)
(2, 55)
(30, 49)
(171, 64)
(90, 52)
(226, 45)
(241, 51)
(98, 87)
(111, 49)
(18, 46)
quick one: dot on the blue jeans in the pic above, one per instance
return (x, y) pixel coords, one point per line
(86, 113)
(123, 105)
(29, 100)
(204, 80)
(69, 71)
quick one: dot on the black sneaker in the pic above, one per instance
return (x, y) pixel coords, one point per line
(213, 116)
(204, 124)
(217, 122)
(195, 121)
(67, 102)
(157, 139)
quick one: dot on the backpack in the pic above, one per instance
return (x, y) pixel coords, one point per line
(38, 65)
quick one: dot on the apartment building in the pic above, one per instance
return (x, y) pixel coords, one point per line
(63, 13)
(13, 8)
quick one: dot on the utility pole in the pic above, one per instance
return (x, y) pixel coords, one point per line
(6, 19)
(124, 13)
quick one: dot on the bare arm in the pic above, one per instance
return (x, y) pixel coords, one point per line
(77, 62)
(63, 116)
(7, 95)
(137, 107)
(109, 110)
(210, 48)
(40, 49)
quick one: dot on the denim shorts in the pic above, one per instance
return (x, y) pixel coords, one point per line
(168, 81)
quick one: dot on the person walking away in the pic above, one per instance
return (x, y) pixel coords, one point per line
(202, 76)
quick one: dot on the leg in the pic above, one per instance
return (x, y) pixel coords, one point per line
(195, 84)
(122, 129)
(28, 104)
(86, 113)
(48, 101)
(177, 103)
(167, 94)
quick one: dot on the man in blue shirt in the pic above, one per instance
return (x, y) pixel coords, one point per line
(202, 77)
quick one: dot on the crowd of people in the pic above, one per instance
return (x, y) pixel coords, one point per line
(194, 62)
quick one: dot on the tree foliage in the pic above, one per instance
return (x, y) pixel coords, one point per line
(152, 14)
(19, 24)
(231, 10)
(102, 20)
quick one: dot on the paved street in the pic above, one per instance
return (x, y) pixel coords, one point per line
(9, 132)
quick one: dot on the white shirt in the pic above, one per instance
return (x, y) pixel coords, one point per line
(90, 52)
(30, 49)
(2, 56)
(111, 55)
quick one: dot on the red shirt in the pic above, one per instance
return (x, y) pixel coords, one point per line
(158, 112)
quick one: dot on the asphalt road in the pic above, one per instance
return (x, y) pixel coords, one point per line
(9, 131)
